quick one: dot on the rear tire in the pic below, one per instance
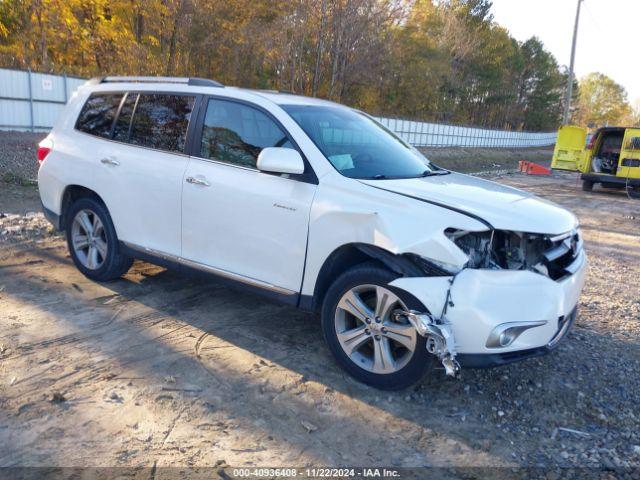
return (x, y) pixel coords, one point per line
(92, 241)
(587, 185)
(371, 345)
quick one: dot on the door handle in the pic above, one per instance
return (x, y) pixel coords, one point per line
(110, 161)
(197, 181)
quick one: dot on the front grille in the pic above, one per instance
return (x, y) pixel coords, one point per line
(563, 254)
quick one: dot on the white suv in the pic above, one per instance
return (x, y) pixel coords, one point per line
(319, 206)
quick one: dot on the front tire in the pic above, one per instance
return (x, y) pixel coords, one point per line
(93, 243)
(587, 185)
(364, 335)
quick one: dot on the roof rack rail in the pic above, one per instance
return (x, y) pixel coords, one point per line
(194, 81)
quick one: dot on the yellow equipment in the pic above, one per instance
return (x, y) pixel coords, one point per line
(611, 158)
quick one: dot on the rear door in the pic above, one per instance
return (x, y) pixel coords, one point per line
(570, 152)
(629, 166)
(146, 167)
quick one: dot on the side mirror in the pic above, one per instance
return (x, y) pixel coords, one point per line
(280, 160)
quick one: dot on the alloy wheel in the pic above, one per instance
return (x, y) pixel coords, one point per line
(368, 331)
(89, 239)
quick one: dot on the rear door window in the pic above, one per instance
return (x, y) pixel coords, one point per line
(236, 133)
(98, 113)
(161, 120)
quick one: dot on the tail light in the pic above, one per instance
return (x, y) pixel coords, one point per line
(44, 148)
(592, 141)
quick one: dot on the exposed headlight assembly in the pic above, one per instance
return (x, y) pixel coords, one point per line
(501, 249)
(476, 245)
(504, 249)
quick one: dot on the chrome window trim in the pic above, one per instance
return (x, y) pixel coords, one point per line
(227, 164)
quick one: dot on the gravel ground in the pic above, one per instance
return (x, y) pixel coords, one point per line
(18, 162)
(161, 369)
(16, 228)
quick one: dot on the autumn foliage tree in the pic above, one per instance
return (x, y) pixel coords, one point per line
(602, 102)
(441, 60)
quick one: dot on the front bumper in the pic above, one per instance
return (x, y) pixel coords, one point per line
(488, 360)
(481, 300)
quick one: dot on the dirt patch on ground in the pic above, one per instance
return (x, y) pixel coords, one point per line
(163, 369)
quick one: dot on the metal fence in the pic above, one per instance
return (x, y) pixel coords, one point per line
(424, 134)
(32, 101)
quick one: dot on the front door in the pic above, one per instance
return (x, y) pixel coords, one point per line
(570, 151)
(629, 164)
(238, 221)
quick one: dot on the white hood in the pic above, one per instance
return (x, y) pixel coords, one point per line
(504, 207)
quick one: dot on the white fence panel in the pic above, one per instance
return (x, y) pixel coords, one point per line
(425, 134)
(33, 101)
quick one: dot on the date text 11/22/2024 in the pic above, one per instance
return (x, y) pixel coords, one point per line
(315, 473)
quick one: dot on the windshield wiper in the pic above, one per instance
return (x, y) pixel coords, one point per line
(426, 173)
(434, 173)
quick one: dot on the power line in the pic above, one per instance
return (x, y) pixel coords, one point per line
(593, 18)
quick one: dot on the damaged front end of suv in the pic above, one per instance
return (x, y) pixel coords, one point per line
(514, 297)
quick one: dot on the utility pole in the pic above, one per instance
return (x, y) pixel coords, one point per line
(567, 100)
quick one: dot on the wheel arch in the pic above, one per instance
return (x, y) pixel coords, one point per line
(73, 193)
(349, 255)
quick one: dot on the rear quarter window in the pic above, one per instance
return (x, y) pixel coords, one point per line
(98, 113)
(160, 121)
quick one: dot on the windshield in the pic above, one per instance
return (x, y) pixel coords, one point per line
(357, 146)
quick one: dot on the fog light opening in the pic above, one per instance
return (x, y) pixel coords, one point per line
(507, 338)
(505, 334)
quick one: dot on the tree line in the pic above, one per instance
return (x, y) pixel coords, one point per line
(445, 61)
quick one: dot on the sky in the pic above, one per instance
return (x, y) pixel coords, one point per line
(607, 37)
